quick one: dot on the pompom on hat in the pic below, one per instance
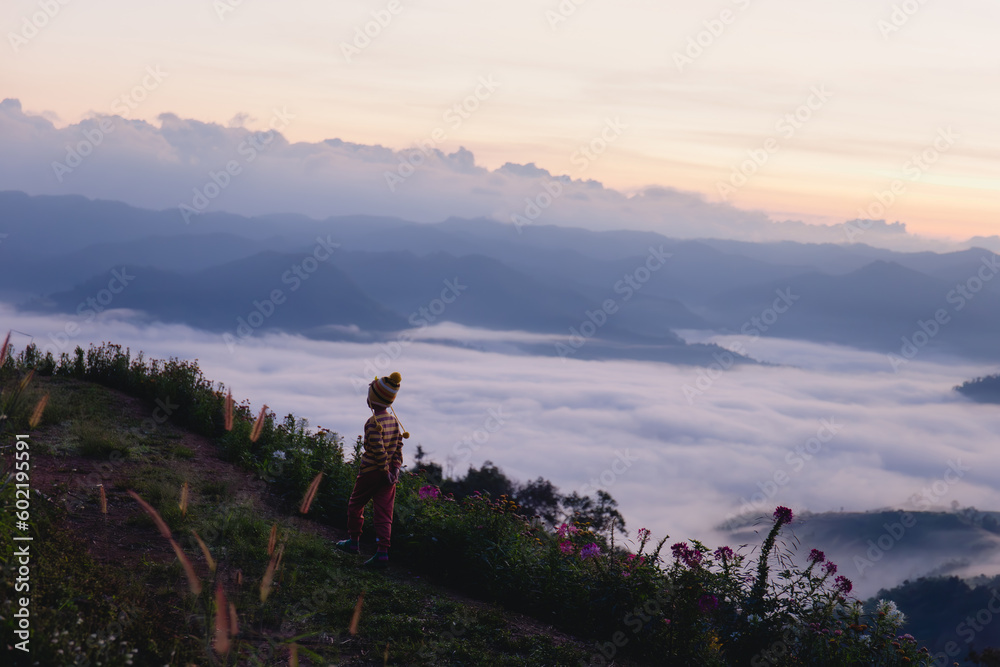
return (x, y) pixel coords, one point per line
(382, 391)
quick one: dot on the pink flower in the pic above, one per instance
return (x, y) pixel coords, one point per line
(566, 547)
(843, 584)
(429, 491)
(831, 568)
(783, 515)
(643, 534)
(682, 552)
(725, 554)
(816, 556)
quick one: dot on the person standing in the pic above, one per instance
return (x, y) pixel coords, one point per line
(381, 461)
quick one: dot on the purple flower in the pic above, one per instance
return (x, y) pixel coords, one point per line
(590, 551)
(682, 552)
(725, 554)
(783, 515)
(843, 584)
(429, 491)
(566, 547)
(707, 603)
(816, 556)
(831, 568)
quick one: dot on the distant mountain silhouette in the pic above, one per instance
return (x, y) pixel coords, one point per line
(543, 279)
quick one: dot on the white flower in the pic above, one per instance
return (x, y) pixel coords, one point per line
(891, 611)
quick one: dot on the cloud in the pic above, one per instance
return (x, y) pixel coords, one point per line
(839, 430)
(207, 166)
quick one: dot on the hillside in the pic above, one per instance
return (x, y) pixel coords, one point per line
(90, 569)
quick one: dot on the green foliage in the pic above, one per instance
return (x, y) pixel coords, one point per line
(96, 443)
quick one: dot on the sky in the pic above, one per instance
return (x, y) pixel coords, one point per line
(829, 428)
(807, 111)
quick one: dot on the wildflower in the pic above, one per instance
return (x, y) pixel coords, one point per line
(643, 534)
(831, 568)
(783, 515)
(566, 547)
(682, 552)
(429, 491)
(567, 529)
(725, 554)
(590, 551)
(816, 556)
(843, 584)
(891, 612)
(707, 603)
(626, 573)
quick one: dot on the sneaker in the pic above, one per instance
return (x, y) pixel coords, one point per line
(376, 562)
(350, 546)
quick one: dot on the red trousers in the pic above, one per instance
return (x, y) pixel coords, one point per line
(369, 486)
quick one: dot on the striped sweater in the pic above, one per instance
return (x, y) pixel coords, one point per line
(383, 450)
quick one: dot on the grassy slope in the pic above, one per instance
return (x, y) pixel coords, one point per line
(100, 576)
